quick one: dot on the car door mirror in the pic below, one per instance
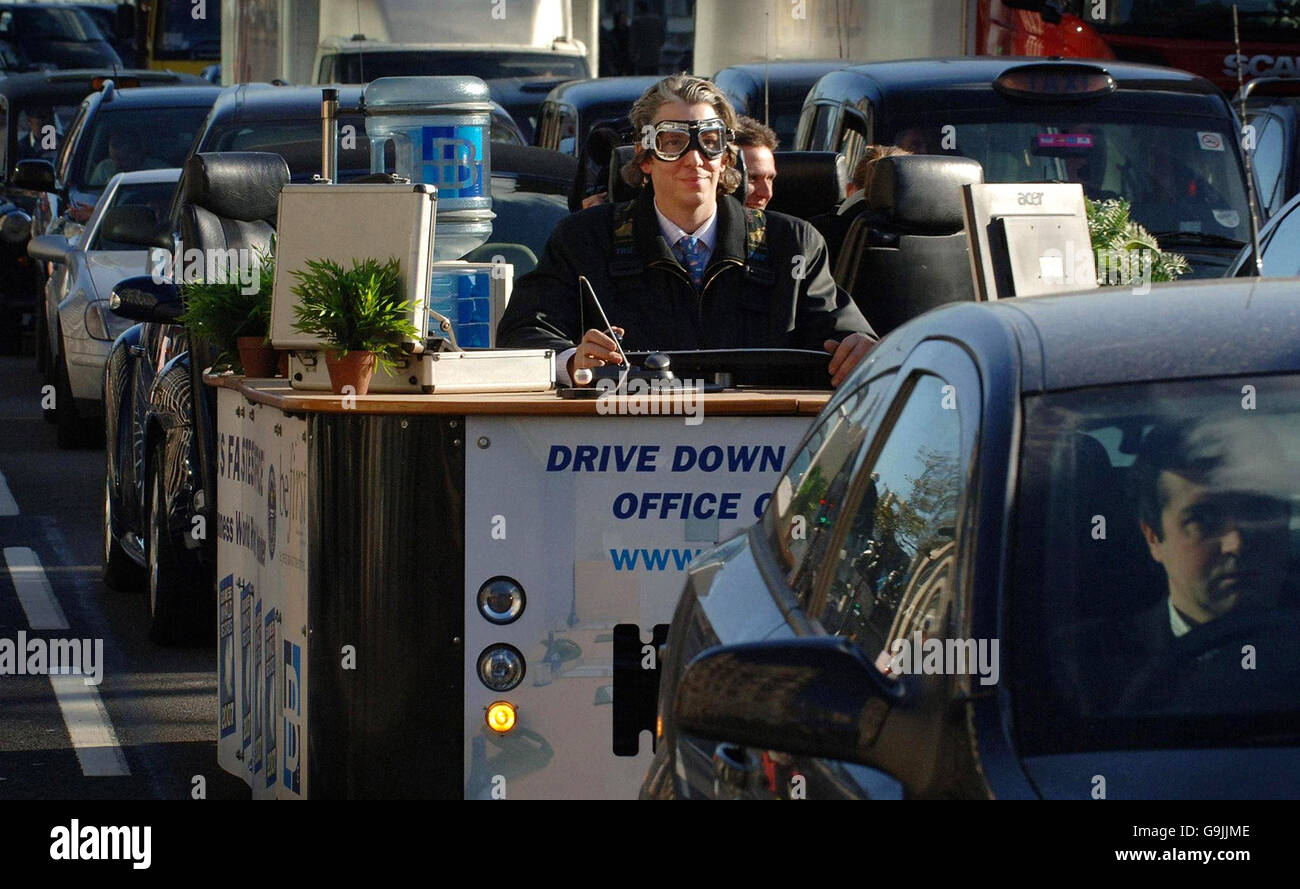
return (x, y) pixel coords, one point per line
(816, 696)
(15, 227)
(48, 248)
(144, 298)
(34, 174)
(132, 225)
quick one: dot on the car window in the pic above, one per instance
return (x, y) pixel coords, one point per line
(823, 127)
(136, 139)
(558, 128)
(51, 24)
(1180, 173)
(356, 67)
(50, 122)
(297, 140)
(891, 575)
(807, 503)
(1282, 253)
(1154, 566)
(65, 147)
(180, 34)
(139, 198)
(853, 140)
(1270, 144)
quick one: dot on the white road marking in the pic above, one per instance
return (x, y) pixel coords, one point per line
(33, 587)
(8, 505)
(89, 727)
(82, 709)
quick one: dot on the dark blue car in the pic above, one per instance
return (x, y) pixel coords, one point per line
(1042, 547)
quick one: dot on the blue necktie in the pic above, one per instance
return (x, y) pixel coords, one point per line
(688, 250)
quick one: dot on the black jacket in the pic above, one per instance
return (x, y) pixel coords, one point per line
(744, 301)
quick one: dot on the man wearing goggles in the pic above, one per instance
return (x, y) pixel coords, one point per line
(684, 265)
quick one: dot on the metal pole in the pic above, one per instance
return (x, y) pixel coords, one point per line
(329, 115)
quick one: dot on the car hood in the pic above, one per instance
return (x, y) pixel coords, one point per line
(107, 267)
(1236, 773)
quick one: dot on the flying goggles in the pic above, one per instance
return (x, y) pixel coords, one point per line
(670, 139)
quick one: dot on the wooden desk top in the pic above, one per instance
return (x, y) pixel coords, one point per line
(278, 393)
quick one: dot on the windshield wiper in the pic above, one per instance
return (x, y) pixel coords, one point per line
(1200, 239)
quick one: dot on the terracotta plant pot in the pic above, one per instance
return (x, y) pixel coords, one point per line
(353, 369)
(257, 357)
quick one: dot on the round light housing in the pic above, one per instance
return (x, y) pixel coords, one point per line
(501, 600)
(501, 716)
(501, 667)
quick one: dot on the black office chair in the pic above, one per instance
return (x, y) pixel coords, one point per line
(229, 201)
(907, 252)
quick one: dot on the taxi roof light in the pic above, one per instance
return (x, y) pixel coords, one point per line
(501, 717)
(1054, 82)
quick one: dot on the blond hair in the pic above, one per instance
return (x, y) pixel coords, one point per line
(870, 154)
(690, 90)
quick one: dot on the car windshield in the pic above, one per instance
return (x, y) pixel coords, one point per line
(50, 124)
(180, 34)
(1155, 588)
(137, 139)
(140, 199)
(1273, 21)
(1181, 175)
(784, 107)
(364, 67)
(297, 140)
(49, 23)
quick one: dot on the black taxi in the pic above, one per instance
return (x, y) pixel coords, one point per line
(571, 110)
(773, 92)
(1045, 547)
(1165, 140)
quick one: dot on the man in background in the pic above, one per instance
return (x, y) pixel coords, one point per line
(758, 141)
(835, 226)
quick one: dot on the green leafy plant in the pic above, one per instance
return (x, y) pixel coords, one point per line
(1124, 247)
(220, 311)
(361, 308)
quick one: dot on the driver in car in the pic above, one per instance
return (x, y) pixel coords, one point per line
(1206, 516)
(684, 265)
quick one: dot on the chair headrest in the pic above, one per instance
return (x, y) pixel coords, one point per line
(808, 183)
(242, 185)
(618, 190)
(922, 192)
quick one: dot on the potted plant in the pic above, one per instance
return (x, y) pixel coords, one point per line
(1125, 250)
(360, 313)
(234, 317)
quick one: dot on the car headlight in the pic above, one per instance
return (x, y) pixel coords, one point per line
(501, 600)
(501, 667)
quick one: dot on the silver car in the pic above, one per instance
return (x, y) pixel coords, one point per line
(81, 327)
